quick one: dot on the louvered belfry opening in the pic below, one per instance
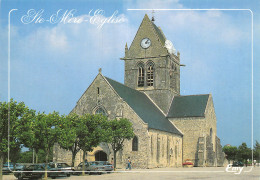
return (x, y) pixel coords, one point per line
(150, 76)
(140, 75)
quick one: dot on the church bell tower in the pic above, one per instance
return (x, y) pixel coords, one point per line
(152, 65)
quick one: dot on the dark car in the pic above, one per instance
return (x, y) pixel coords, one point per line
(34, 171)
(8, 169)
(237, 164)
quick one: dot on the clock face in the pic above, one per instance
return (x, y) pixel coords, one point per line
(146, 43)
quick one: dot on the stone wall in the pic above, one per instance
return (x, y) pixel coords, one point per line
(201, 152)
(139, 158)
(192, 129)
(206, 155)
(199, 140)
(61, 155)
(115, 107)
(210, 152)
(221, 160)
(165, 149)
(211, 122)
(215, 155)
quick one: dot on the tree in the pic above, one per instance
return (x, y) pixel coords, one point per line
(231, 152)
(26, 127)
(257, 151)
(68, 137)
(15, 154)
(243, 153)
(10, 113)
(120, 130)
(45, 134)
(91, 132)
(25, 157)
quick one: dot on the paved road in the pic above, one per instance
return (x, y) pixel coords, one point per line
(169, 174)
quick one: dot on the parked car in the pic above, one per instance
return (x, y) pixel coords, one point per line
(188, 163)
(108, 166)
(18, 167)
(54, 172)
(79, 168)
(237, 164)
(94, 167)
(7, 170)
(34, 171)
(62, 167)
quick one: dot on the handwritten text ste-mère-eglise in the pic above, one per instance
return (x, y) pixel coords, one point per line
(96, 17)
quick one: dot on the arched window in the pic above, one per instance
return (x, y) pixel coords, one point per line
(176, 152)
(211, 135)
(135, 144)
(150, 74)
(100, 110)
(140, 75)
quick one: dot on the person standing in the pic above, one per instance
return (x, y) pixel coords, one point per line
(112, 161)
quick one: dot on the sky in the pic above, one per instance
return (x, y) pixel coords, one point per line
(52, 64)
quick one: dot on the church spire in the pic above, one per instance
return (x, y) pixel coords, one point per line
(149, 67)
(146, 18)
(126, 50)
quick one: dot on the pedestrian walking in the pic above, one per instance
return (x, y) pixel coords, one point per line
(129, 164)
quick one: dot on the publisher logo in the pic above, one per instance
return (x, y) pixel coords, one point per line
(235, 170)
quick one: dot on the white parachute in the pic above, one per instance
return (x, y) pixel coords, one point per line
(170, 47)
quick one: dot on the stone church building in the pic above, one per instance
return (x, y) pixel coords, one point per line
(169, 128)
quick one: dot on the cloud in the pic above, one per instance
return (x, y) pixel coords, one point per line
(48, 39)
(56, 39)
(210, 26)
(47, 58)
(74, 39)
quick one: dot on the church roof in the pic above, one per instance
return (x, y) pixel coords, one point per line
(159, 33)
(188, 106)
(144, 108)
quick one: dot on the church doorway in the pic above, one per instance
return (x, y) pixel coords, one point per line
(100, 156)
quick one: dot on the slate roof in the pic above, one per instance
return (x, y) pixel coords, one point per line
(188, 106)
(159, 33)
(144, 108)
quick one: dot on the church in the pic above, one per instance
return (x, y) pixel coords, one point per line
(169, 128)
